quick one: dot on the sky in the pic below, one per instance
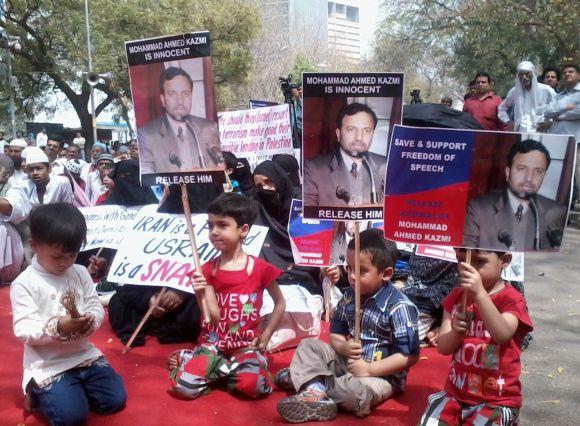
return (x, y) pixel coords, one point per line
(369, 18)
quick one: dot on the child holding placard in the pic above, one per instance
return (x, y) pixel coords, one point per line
(231, 344)
(357, 376)
(483, 384)
(56, 308)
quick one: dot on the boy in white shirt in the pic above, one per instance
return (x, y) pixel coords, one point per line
(55, 308)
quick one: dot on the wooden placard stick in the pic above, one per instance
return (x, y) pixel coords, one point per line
(357, 310)
(326, 282)
(143, 320)
(464, 298)
(196, 262)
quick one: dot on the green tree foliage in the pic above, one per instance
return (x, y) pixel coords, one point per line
(464, 36)
(54, 52)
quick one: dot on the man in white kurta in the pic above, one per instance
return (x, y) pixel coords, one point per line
(39, 188)
(528, 99)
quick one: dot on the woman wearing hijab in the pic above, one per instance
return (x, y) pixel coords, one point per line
(128, 190)
(239, 172)
(275, 193)
(179, 321)
(290, 165)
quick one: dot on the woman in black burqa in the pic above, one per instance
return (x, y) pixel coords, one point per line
(176, 319)
(128, 190)
(275, 192)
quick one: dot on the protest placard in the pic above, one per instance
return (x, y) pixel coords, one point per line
(156, 249)
(514, 271)
(256, 134)
(478, 189)
(310, 239)
(347, 121)
(173, 96)
(106, 225)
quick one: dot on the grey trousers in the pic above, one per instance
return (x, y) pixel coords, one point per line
(314, 358)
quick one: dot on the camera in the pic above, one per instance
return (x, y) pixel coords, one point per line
(286, 86)
(416, 96)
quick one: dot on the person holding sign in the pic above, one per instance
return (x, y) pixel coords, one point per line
(231, 343)
(483, 384)
(517, 218)
(178, 141)
(350, 175)
(356, 375)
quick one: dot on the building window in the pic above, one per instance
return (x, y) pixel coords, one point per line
(352, 13)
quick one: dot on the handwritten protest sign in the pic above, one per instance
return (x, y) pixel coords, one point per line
(256, 134)
(347, 120)
(310, 239)
(106, 225)
(173, 96)
(465, 188)
(514, 271)
(156, 249)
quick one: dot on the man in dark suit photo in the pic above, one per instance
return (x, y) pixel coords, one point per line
(517, 218)
(350, 175)
(178, 141)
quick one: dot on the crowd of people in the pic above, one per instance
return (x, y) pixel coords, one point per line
(56, 307)
(546, 103)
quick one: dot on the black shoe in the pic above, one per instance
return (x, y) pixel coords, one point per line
(307, 406)
(526, 341)
(106, 287)
(283, 381)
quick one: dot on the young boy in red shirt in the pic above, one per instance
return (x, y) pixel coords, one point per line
(483, 386)
(230, 345)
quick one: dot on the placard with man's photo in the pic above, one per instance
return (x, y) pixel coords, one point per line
(487, 190)
(173, 96)
(347, 122)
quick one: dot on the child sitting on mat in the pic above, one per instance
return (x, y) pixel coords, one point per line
(56, 308)
(356, 376)
(483, 386)
(230, 345)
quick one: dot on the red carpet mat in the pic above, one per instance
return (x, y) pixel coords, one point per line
(143, 371)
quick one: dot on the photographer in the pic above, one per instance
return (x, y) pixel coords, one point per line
(293, 95)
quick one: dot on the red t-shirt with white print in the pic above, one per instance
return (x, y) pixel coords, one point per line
(239, 297)
(482, 370)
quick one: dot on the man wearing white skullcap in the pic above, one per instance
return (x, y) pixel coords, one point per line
(528, 99)
(40, 188)
(15, 150)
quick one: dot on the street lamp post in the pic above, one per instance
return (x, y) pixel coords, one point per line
(94, 118)
(10, 41)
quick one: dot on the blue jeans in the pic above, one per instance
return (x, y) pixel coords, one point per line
(67, 400)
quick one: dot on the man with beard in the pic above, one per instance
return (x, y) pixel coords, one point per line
(350, 175)
(528, 99)
(517, 218)
(178, 141)
(15, 149)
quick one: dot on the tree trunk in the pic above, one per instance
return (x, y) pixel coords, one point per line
(86, 119)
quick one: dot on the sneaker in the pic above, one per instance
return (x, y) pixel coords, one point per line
(106, 287)
(283, 381)
(526, 341)
(308, 405)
